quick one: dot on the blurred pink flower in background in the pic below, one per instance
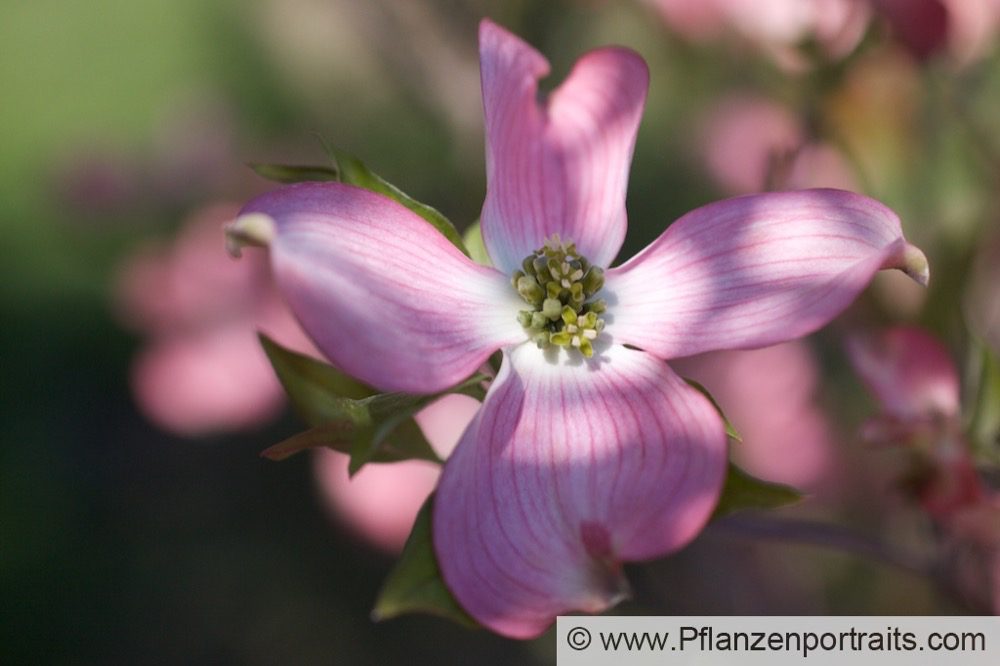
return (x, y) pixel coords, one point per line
(202, 369)
(975, 531)
(920, 25)
(194, 151)
(188, 164)
(752, 144)
(963, 29)
(915, 381)
(775, 26)
(381, 500)
(769, 395)
(97, 182)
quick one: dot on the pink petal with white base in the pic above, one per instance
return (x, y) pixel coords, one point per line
(557, 165)
(909, 371)
(382, 293)
(569, 470)
(754, 271)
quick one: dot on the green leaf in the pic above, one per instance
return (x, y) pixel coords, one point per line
(473, 239)
(348, 416)
(385, 414)
(317, 390)
(415, 585)
(730, 430)
(743, 491)
(353, 171)
(294, 174)
(392, 413)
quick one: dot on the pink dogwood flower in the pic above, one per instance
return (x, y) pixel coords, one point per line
(975, 532)
(915, 380)
(775, 26)
(965, 30)
(751, 143)
(201, 369)
(588, 450)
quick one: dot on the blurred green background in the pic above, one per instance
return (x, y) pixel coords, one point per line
(122, 543)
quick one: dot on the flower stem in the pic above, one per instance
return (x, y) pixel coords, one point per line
(824, 535)
(835, 537)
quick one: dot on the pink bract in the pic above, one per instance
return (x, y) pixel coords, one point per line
(916, 382)
(574, 464)
(910, 373)
(914, 379)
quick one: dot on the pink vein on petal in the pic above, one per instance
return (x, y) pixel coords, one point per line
(382, 293)
(558, 165)
(752, 271)
(572, 469)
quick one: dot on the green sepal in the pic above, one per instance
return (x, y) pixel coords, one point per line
(744, 491)
(353, 171)
(350, 417)
(415, 584)
(730, 430)
(283, 173)
(473, 239)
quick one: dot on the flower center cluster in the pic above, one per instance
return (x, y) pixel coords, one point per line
(558, 283)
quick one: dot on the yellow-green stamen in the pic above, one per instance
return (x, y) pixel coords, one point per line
(558, 284)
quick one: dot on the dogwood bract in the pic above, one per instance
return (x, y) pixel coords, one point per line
(913, 377)
(588, 450)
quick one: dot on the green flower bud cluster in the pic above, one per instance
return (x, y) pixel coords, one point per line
(558, 284)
